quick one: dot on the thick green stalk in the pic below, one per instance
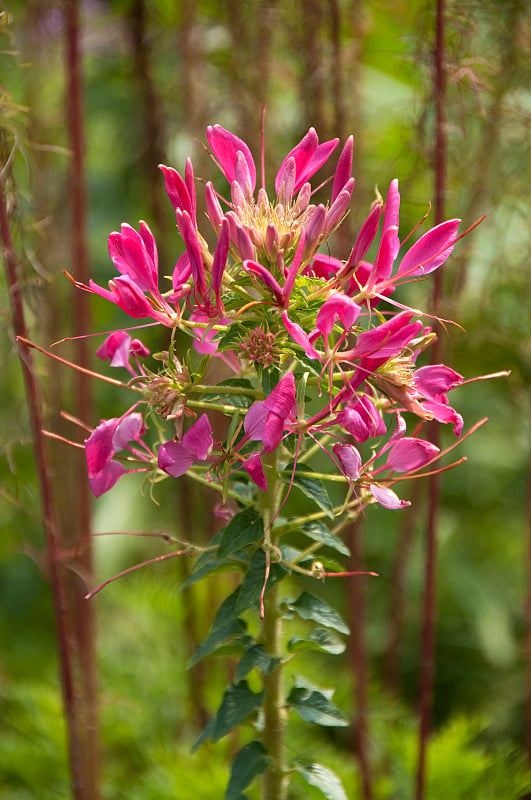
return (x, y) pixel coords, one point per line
(275, 713)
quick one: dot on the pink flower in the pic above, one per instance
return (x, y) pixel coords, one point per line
(304, 161)
(266, 419)
(176, 458)
(104, 442)
(409, 454)
(118, 349)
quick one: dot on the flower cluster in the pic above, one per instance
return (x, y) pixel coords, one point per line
(318, 355)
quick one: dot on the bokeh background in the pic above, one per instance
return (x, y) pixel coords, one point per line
(149, 76)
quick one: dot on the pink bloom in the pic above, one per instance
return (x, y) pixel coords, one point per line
(176, 458)
(226, 146)
(181, 192)
(104, 442)
(253, 467)
(350, 460)
(387, 498)
(118, 349)
(361, 419)
(266, 419)
(308, 156)
(409, 454)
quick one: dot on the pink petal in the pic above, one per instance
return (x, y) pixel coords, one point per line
(281, 401)
(177, 190)
(337, 305)
(253, 467)
(265, 276)
(344, 169)
(410, 453)
(431, 250)
(436, 379)
(299, 336)
(198, 438)
(128, 429)
(387, 498)
(350, 460)
(365, 237)
(225, 146)
(175, 459)
(255, 420)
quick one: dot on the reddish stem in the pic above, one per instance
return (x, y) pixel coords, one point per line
(55, 570)
(427, 666)
(83, 612)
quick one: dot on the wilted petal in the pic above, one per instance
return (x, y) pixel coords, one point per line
(410, 453)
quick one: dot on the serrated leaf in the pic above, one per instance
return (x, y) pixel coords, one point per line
(244, 529)
(253, 581)
(312, 706)
(237, 704)
(312, 488)
(318, 639)
(252, 760)
(320, 533)
(323, 779)
(306, 606)
(255, 657)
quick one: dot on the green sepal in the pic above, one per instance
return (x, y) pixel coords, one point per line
(255, 657)
(314, 706)
(318, 639)
(252, 760)
(238, 703)
(323, 779)
(244, 529)
(306, 606)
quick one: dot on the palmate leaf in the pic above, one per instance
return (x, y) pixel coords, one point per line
(252, 760)
(306, 606)
(238, 703)
(312, 488)
(323, 779)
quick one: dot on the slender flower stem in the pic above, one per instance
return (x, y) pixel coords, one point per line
(275, 714)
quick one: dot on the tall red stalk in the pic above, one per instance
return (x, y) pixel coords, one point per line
(56, 570)
(427, 664)
(359, 659)
(83, 622)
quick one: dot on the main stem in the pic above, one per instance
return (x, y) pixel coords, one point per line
(275, 713)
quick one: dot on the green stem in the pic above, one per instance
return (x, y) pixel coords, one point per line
(276, 779)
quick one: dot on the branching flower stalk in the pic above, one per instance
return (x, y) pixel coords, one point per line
(324, 393)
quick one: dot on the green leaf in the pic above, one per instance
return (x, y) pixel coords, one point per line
(244, 529)
(314, 707)
(233, 631)
(237, 704)
(255, 657)
(242, 400)
(312, 488)
(253, 581)
(306, 606)
(231, 339)
(226, 625)
(252, 760)
(318, 639)
(320, 533)
(323, 779)
(214, 564)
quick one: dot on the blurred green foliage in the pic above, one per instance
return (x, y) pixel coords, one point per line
(151, 707)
